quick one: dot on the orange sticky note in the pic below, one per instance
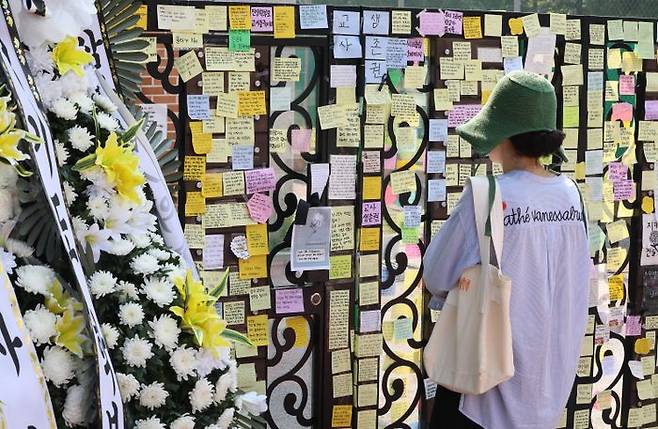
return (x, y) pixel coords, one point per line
(251, 103)
(212, 185)
(195, 204)
(472, 27)
(239, 17)
(369, 239)
(284, 22)
(201, 142)
(341, 416)
(372, 188)
(255, 267)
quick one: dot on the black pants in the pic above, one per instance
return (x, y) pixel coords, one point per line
(446, 414)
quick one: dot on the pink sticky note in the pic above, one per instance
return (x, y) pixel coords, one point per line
(289, 300)
(262, 19)
(389, 163)
(260, 207)
(651, 109)
(627, 84)
(371, 213)
(432, 23)
(454, 22)
(412, 251)
(462, 113)
(623, 190)
(415, 50)
(301, 139)
(260, 180)
(633, 327)
(617, 171)
(622, 111)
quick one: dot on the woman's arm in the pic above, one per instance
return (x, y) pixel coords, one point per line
(454, 249)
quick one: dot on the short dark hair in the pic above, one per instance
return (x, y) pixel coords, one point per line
(536, 144)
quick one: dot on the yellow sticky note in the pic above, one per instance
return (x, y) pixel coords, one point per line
(531, 24)
(257, 243)
(233, 182)
(227, 105)
(188, 66)
(142, 12)
(341, 416)
(333, 116)
(301, 328)
(414, 77)
(194, 168)
(472, 27)
(239, 17)
(257, 330)
(493, 25)
(616, 287)
(369, 239)
(642, 346)
(403, 181)
(284, 22)
(212, 185)
(401, 22)
(340, 267)
(201, 142)
(515, 26)
(286, 69)
(580, 171)
(372, 187)
(195, 204)
(255, 267)
(251, 103)
(647, 204)
(617, 231)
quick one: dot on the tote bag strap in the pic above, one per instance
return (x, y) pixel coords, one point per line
(482, 203)
(582, 207)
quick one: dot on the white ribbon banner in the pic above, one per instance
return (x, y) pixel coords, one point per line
(26, 97)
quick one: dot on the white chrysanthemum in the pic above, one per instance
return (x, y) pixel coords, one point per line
(80, 138)
(77, 406)
(69, 193)
(153, 395)
(127, 291)
(101, 185)
(140, 240)
(122, 247)
(40, 59)
(18, 248)
(137, 351)
(159, 290)
(84, 103)
(183, 422)
(131, 314)
(174, 271)
(80, 228)
(150, 423)
(157, 238)
(107, 122)
(58, 365)
(72, 84)
(35, 278)
(61, 153)
(128, 386)
(105, 103)
(49, 91)
(102, 283)
(144, 264)
(111, 335)
(183, 361)
(41, 323)
(165, 331)
(252, 403)
(201, 396)
(64, 109)
(227, 381)
(159, 254)
(226, 418)
(98, 207)
(207, 361)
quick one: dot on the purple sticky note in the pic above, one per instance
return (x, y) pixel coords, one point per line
(371, 213)
(651, 109)
(389, 163)
(262, 19)
(415, 50)
(432, 23)
(623, 190)
(462, 113)
(260, 207)
(454, 22)
(301, 139)
(261, 180)
(622, 111)
(633, 327)
(617, 171)
(627, 84)
(289, 301)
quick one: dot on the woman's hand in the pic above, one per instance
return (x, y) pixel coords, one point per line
(464, 283)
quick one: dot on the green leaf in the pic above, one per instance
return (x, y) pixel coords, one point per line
(236, 336)
(85, 163)
(218, 290)
(131, 132)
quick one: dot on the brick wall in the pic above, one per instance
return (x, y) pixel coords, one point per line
(153, 90)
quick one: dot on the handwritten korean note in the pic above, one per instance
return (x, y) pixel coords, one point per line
(213, 252)
(257, 330)
(432, 23)
(371, 213)
(313, 16)
(472, 27)
(260, 207)
(253, 268)
(188, 66)
(375, 22)
(401, 22)
(260, 180)
(342, 228)
(289, 300)
(342, 181)
(284, 22)
(262, 19)
(346, 22)
(339, 302)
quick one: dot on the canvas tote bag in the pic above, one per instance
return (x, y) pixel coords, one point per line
(470, 349)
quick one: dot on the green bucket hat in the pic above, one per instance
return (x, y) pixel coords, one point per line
(520, 102)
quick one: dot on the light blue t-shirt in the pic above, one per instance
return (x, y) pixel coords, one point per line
(546, 255)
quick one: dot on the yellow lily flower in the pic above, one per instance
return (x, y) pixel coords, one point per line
(69, 332)
(9, 146)
(198, 313)
(59, 299)
(67, 57)
(121, 167)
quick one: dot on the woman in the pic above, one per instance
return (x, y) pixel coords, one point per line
(545, 253)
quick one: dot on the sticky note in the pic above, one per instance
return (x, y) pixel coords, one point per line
(286, 69)
(254, 267)
(472, 27)
(493, 25)
(251, 103)
(257, 243)
(403, 181)
(239, 17)
(212, 185)
(188, 66)
(239, 40)
(372, 187)
(257, 330)
(341, 416)
(284, 22)
(195, 204)
(369, 239)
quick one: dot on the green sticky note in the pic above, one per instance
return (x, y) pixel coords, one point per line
(396, 76)
(239, 40)
(570, 116)
(410, 235)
